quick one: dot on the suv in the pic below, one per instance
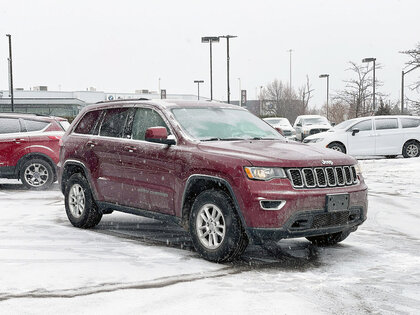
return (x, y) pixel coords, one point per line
(307, 125)
(282, 125)
(222, 173)
(29, 148)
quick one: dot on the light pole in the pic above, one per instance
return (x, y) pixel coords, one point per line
(11, 73)
(198, 87)
(403, 73)
(227, 52)
(210, 40)
(290, 69)
(240, 92)
(374, 81)
(328, 87)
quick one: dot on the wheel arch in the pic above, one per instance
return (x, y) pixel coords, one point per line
(408, 141)
(196, 184)
(71, 167)
(36, 155)
(338, 142)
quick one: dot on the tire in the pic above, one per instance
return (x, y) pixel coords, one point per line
(411, 149)
(329, 239)
(215, 227)
(81, 209)
(37, 174)
(337, 147)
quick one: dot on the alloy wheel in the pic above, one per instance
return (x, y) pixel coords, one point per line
(36, 175)
(211, 226)
(77, 200)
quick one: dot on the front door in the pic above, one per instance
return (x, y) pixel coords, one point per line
(363, 142)
(148, 167)
(389, 137)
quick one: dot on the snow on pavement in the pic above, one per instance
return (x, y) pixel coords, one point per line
(131, 265)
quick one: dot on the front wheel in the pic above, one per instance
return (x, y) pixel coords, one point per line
(37, 174)
(328, 239)
(337, 147)
(81, 209)
(215, 227)
(411, 149)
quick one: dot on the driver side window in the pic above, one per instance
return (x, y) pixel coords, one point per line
(145, 118)
(364, 125)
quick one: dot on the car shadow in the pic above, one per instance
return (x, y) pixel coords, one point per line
(296, 254)
(17, 186)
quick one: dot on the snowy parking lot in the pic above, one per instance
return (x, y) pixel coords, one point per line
(134, 265)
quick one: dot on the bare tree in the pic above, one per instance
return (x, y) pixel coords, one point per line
(414, 61)
(305, 94)
(357, 94)
(337, 111)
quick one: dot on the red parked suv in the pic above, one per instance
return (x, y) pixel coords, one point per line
(222, 173)
(29, 148)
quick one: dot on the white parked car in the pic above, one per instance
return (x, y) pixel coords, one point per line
(282, 125)
(376, 135)
(307, 125)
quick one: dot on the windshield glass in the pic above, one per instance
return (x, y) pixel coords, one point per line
(315, 121)
(64, 124)
(215, 123)
(278, 121)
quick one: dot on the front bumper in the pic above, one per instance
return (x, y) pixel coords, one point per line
(311, 223)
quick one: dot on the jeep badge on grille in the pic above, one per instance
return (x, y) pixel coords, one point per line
(327, 162)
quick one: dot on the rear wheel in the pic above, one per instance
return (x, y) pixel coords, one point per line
(328, 239)
(215, 227)
(37, 174)
(337, 147)
(411, 149)
(81, 209)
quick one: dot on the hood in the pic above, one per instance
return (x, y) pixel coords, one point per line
(277, 153)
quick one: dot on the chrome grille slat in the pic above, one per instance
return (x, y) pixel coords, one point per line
(322, 177)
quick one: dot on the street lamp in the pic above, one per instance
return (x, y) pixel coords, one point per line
(210, 40)
(240, 92)
(403, 73)
(198, 87)
(11, 73)
(290, 69)
(328, 87)
(374, 60)
(227, 41)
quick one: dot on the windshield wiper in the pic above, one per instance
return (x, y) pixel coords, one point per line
(261, 138)
(222, 139)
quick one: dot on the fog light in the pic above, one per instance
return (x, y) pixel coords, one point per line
(272, 204)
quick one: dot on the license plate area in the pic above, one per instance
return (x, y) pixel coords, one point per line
(337, 202)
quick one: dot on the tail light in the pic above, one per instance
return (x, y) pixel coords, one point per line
(54, 137)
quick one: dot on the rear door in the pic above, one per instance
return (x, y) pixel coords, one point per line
(148, 167)
(13, 143)
(389, 136)
(363, 142)
(108, 148)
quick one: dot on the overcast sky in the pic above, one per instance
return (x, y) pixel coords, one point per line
(122, 46)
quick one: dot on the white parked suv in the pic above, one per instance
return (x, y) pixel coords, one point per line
(376, 135)
(307, 125)
(282, 125)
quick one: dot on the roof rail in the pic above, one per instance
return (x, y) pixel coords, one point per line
(124, 100)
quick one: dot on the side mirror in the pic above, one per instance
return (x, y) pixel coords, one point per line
(354, 131)
(299, 125)
(158, 135)
(333, 124)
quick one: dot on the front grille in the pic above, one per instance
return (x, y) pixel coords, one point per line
(318, 130)
(320, 177)
(330, 219)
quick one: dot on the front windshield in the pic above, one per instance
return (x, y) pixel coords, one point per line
(278, 121)
(315, 121)
(216, 123)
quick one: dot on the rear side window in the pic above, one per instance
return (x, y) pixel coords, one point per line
(387, 123)
(114, 122)
(35, 125)
(410, 122)
(88, 122)
(64, 124)
(9, 125)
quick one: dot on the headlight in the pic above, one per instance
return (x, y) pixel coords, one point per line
(313, 140)
(264, 173)
(358, 169)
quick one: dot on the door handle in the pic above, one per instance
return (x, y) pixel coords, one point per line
(91, 144)
(130, 148)
(19, 140)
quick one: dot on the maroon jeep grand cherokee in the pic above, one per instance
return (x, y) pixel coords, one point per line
(221, 172)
